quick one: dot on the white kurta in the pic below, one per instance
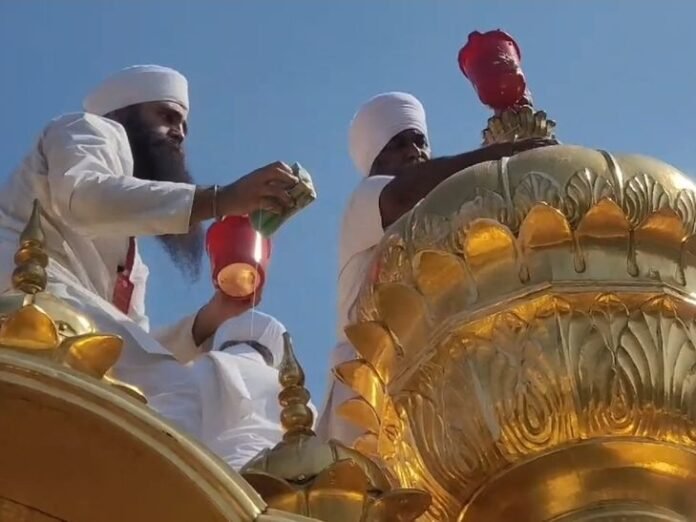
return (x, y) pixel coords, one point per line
(246, 353)
(361, 231)
(81, 171)
(230, 396)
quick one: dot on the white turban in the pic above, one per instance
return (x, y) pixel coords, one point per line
(378, 121)
(138, 84)
(252, 326)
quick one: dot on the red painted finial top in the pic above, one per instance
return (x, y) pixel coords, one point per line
(491, 62)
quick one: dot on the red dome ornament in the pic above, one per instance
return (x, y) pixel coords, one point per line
(491, 62)
(239, 256)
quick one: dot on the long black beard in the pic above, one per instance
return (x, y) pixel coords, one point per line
(157, 158)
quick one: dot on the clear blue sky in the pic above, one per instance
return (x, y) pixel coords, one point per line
(281, 79)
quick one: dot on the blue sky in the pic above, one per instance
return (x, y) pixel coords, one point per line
(281, 79)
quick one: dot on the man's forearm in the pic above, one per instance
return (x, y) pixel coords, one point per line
(414, 182)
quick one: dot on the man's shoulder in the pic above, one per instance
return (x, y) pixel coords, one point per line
(372, 183)
(84, 122)
(366, 194)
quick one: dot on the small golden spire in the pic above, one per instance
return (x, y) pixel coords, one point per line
(36, 322)
(296, 417)
(31, 259)
(321, 479)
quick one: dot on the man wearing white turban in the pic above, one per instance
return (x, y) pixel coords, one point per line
(238, 376)
(109, 175)
(389, 146)
(228, 396)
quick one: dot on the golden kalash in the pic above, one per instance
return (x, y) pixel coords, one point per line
(527, 345)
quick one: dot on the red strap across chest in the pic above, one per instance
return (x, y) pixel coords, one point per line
(130, 258)
(123, 289)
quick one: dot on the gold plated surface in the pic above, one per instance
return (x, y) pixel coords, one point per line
(72, 449)
(75, 450)
(34, 321)
(325, 480)
(527, 345)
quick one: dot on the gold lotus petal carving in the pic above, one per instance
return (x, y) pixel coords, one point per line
(688, 259)
(658, 245)
(444, 280)
(543, 227)
(361, 414)
(345, 476)
(390, 266)
(437, 272)
(534, 187)
(491, 254)
(278, 493)
(643, 196)
(577, 328)
(602, 234)
(367, 444)
(376, 345)
(29, 328)
(544, 238)
(364, 380)
(93, 354)
(343, 488)
(583, 191)
(605, 220)
(685, 206)
(408, 503)
(404, 312)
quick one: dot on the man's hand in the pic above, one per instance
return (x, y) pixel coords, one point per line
(219, 309)
(502, 150)
(265, 188)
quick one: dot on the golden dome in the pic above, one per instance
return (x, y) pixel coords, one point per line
(324, 480)
(36, 322)
(528, 342)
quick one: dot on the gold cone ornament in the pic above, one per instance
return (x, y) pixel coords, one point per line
(527, 345)
(35, 322)
(323, 480)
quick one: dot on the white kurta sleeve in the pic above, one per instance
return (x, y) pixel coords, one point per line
(92, 188)
(362, 221)
(178, 340)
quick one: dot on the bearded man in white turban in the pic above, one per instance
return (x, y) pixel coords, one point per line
(389, 146)
(109, 175)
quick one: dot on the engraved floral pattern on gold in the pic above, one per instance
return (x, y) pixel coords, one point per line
(554, 311)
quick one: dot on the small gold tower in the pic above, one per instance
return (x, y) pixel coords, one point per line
(324, 480)
(34, 322)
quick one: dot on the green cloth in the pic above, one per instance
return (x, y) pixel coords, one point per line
(302, 194)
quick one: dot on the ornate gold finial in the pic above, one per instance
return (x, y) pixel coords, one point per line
(296, 417)
(29, 275)
(323, 480)
(35, 322)
(491, 61)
